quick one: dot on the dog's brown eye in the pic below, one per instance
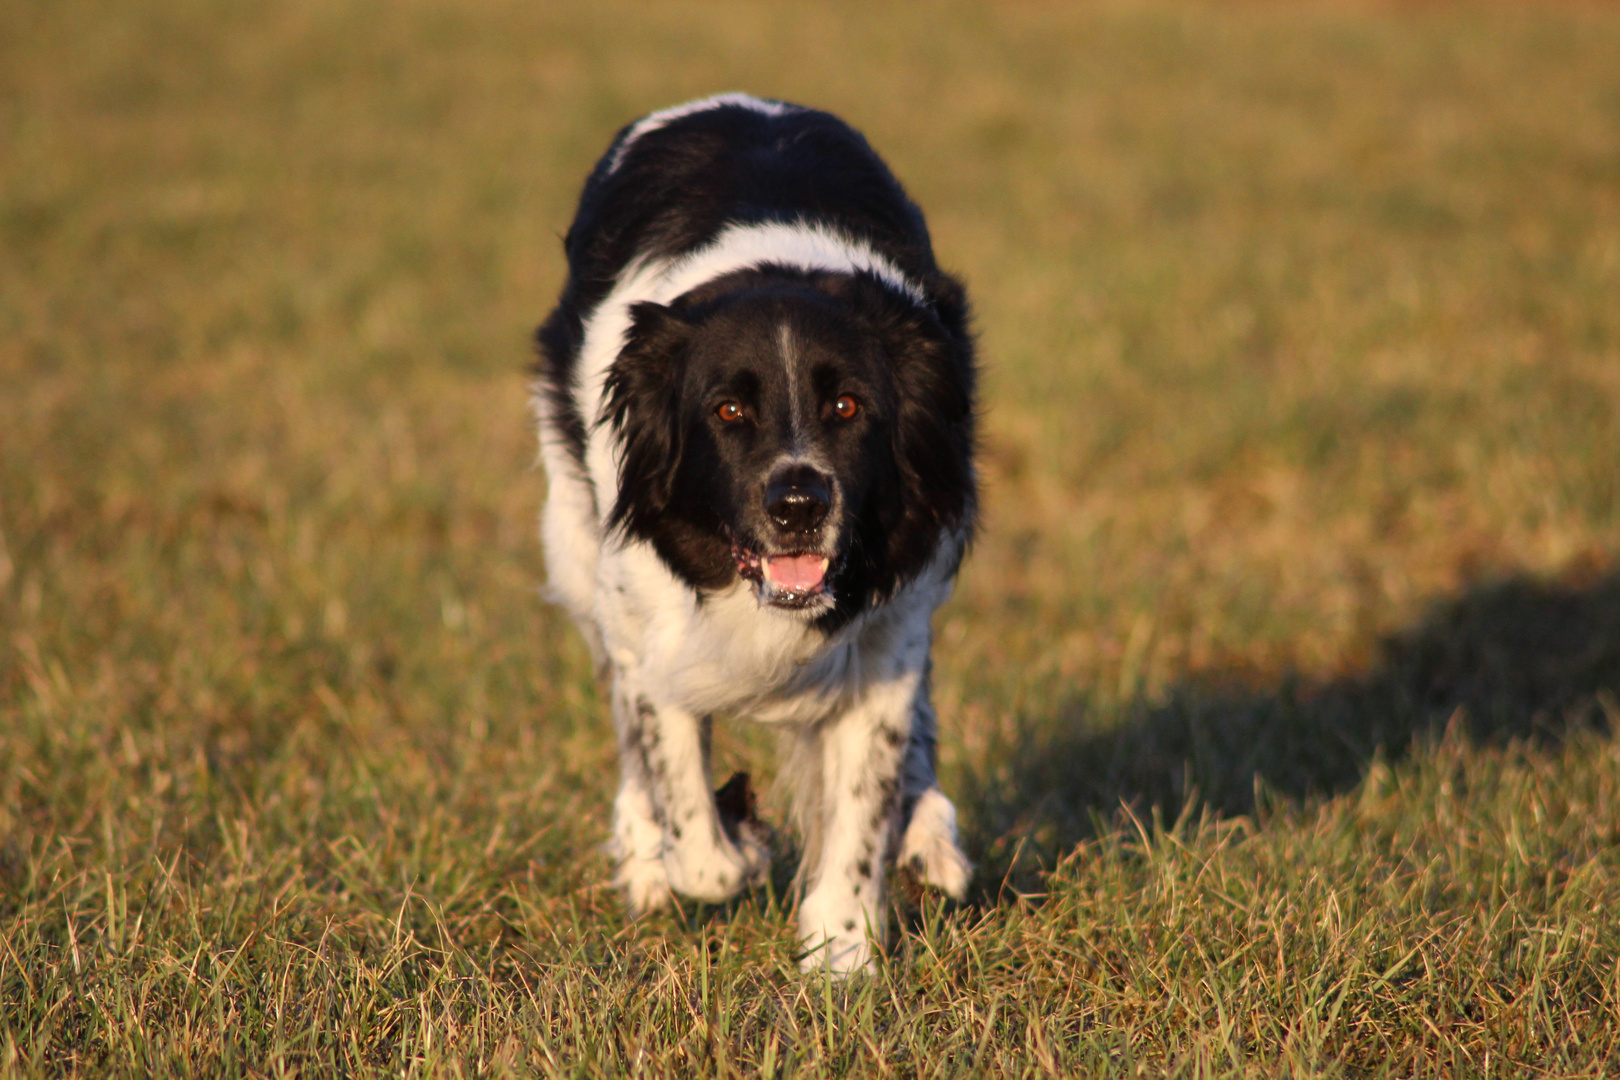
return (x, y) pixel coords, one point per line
(846, 407)
(730, 412)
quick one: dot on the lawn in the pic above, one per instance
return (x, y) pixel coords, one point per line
(1276, 695)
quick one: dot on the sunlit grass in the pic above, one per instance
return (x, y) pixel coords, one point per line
(1275, 695)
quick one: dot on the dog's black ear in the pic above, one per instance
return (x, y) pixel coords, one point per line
(641, 402)
(931, 353)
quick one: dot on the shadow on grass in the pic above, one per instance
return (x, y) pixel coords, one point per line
(1514, 659)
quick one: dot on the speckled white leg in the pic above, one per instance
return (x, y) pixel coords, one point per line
(638, 845)
(861, 754)
(666, 827)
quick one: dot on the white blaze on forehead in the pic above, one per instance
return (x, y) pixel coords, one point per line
(790, 369)
(798, 245)
(663, 117)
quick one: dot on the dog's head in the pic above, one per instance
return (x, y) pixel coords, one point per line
(810, 432)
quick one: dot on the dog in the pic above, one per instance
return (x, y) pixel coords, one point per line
(756, 403)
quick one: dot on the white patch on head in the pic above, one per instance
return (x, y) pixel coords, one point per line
(790, 368)
(663, 117)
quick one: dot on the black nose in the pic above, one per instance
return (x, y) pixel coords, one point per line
(797, 498)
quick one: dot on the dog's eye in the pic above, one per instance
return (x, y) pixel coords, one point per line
(730, 412)
(846, 407)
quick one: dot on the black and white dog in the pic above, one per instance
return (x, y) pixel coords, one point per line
(756, 400)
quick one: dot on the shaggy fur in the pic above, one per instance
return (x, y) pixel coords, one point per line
(756, 400)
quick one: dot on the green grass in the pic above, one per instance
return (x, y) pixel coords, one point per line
(1276, 695)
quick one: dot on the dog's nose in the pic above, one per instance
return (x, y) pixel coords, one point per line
(797, 498)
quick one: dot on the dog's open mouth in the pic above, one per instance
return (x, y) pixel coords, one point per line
(796, 573)
(789, 580)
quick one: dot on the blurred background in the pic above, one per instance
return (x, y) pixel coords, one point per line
(1301, 336)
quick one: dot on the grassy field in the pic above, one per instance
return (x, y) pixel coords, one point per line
(1276, 696)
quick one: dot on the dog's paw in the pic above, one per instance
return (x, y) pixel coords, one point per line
(930, 849)
(644, 883)
(835, 937)
(715, 873)
(737, 807)
(637, 851)
(754, 845)
(840, 956)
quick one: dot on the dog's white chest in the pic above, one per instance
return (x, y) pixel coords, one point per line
(722, 652)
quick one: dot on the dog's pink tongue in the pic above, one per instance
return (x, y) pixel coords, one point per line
(796, 572)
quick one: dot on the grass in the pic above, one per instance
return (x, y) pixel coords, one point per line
(1276, 696)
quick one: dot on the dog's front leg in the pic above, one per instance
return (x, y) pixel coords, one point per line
(861, 753)
(667, 831)
(929, 847)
